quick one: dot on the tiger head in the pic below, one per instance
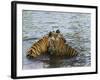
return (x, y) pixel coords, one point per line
(56, 42)
(56, 35)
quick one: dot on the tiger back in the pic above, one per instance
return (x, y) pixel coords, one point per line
(70, 52)
(38, 48)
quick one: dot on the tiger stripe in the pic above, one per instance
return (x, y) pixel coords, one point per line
(70, 51)
(37, 49)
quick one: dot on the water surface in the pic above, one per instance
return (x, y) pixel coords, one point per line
(74, 26)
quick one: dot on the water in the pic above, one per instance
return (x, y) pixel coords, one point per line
(74, 26)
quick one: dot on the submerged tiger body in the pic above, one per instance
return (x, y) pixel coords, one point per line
(54, 44)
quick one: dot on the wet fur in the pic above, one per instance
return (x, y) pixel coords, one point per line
(38, 48)
(58, 46)
(53, 43)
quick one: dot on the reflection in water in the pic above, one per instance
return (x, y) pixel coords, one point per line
(61, 61)
(74, 26)
(55, 62)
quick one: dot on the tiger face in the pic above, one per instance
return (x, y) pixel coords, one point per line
(56, 43)
(56, 35)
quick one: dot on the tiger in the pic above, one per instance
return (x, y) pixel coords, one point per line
(38, 48)
(58, 45)
(53, 43)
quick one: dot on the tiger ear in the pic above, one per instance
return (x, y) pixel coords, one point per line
(58, 31)
(50, 33)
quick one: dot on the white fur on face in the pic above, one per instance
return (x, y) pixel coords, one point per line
(52, 38)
